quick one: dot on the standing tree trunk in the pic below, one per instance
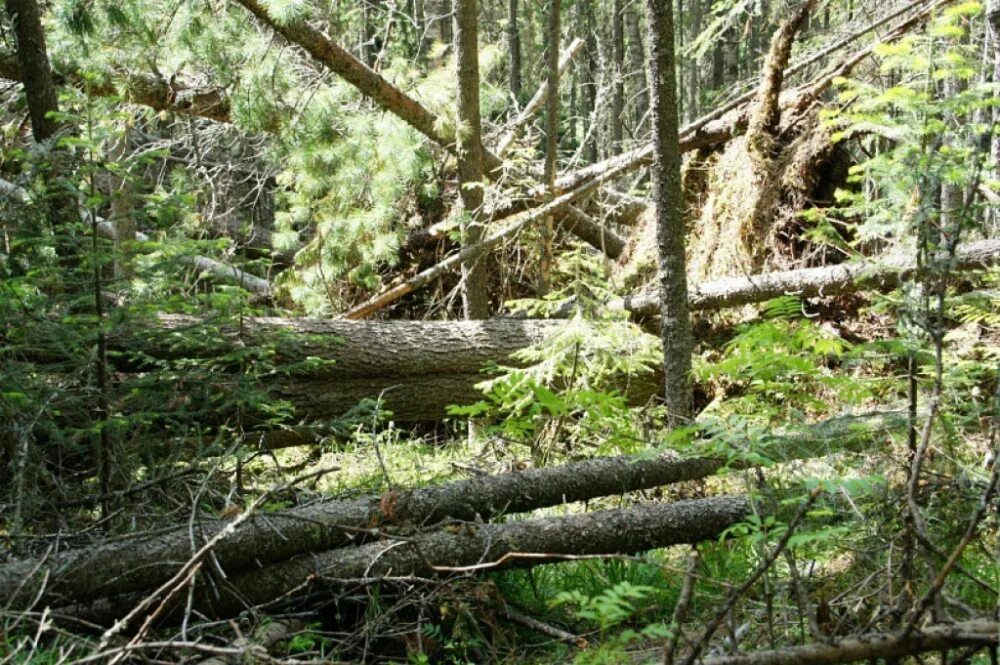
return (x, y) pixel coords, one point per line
(676, 326)
(718, 65)
(40, 90)
(514, 46)
(617, 75)
(551, 140)
(475, 297)
(693, 105)
(993, 27)
(33, 62)
(589, 80)
(637, 63)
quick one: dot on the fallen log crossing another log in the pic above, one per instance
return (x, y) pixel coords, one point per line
(79, 575)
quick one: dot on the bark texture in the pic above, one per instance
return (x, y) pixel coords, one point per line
(355, 72)
(871, 647)
(637, 65)
(547, 259)
(875, 274)
(469, 547)
(617, 75)
(514, 49)
(678, 343)
(78, 575)
(33, 67)
(475, 292)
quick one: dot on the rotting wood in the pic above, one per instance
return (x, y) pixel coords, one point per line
(78, 575)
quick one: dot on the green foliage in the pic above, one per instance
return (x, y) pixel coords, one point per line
(782, 368)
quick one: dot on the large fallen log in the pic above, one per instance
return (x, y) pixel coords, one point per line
(873, 646)
(874, 274)
(109, 569)
(468, 548)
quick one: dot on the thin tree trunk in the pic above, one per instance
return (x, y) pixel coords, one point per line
(637, 65)
(678, 343)
(514, 46)
(617, 75)
(537, 100)
(40, 91)
(993, 16)
(693, 105)
(475, 291)
(551, 142)
(589, 82)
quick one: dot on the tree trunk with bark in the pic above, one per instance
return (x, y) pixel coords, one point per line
(617, 76)
(475, 290)
(109, 569)
(467, 548)
(678, 343)
(33, 68)
(547, 227)
(514, 48)
(875, 274)
(637, 65)
(892, 647)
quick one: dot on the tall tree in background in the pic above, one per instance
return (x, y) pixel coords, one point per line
(637, 63)
(514, 46)
(475, 298)
(666, 170)
(551, 136)
(617, 74)
(993, 27)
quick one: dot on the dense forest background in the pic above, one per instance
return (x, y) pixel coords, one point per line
(445, 331)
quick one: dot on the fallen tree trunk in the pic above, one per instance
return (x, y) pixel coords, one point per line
(469, 548)
(110, 569)
(151, 91)
(879, 275)
(473, 251)
(873, 646)
(536, 102)
(223, 272)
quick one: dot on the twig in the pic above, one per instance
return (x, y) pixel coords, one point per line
(762, 568)
(544, 628)
(681, 609)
